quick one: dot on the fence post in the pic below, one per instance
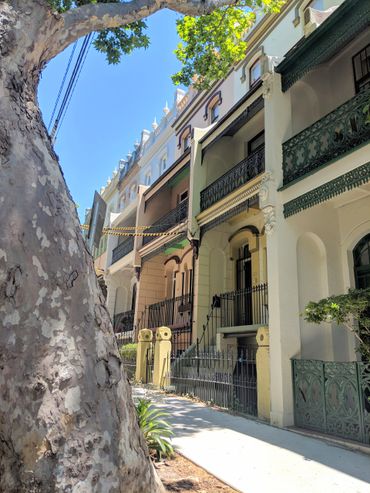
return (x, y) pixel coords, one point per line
(145, 338)
(263, 373)
(162, 357)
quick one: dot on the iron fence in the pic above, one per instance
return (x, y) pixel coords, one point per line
(168, 221)
(172, 312)
(333, 398)
(241, 173)
(123, 249)
(226, 378)
(241, 307)
(124, 322)
(123, 338)
(330, 137)
(129, 364)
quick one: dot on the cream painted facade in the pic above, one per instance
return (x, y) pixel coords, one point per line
(259, 211)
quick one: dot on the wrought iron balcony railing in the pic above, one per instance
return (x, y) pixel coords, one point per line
(247, 306)
(240, 174)
(168, 221)
(123, 322)
(173, 312)
(329, 138)
(123, 249)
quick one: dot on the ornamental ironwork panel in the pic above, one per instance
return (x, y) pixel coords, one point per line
(333, 398)
(123, 249)
(123, 322)
(342, 400)
(168, 221)
(329, 138)
(308, 378)
(246, 170)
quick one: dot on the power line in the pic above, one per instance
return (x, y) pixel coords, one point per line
(71, 85)
(62, 84)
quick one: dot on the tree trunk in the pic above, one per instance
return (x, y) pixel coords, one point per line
(67, 421)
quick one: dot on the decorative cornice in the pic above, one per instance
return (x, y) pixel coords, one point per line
(229, 214)
(344, 24)
(352, 179)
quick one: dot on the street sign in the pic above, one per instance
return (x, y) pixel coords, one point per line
(97, 219)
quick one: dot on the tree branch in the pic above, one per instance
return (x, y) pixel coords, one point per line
(78, 22)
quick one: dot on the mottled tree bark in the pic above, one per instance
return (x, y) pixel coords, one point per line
(67, 422)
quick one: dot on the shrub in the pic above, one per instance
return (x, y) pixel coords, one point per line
(157, 432)
(128, 351)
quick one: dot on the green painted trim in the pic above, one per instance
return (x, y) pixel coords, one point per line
(178, 177)
(180, 245)
(163, 248)
(343, 25)
(240, 329)
(352, 179)
(313, 171)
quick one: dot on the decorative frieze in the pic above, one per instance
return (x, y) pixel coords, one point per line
(352, 179)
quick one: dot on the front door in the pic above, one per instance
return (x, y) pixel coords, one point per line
(243, 299)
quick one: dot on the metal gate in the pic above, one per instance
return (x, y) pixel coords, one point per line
(333, 398)
(226, 378)
(149, 364)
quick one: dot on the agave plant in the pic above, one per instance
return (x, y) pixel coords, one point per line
(157, 432)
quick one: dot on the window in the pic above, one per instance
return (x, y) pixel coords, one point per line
(314, 4)
(183, 196)
(361, 68)
(361, 258)
(255, 73)
(133, 191)
(256, 143)
(163, 164)
(186, 142)
(215, 112)
(148, 178)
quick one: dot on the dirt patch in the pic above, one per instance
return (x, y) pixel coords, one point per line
(179, 475)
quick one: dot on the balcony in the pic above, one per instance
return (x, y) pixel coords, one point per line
(173, 312)
(173, 218)
(123, 249)
(240, 174)
(329, 138)
(123, 322)
(247, 306)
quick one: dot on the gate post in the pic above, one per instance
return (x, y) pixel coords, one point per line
(145, 338)
(263, 373)
(162, 357)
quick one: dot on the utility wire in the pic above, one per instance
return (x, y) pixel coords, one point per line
(71, 85)
(62, 84)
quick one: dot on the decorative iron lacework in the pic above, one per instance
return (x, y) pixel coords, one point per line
(164, 247)
(246, 170)
(352, 179)
(123, 249)
(229, 214)
(329, 138)
(168, 221)
(333, 398)
(348, 20)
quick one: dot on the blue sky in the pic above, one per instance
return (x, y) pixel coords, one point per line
(110, 106)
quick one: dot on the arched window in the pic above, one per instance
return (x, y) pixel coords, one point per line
(361, 260)
(255, 73)
(133, 297)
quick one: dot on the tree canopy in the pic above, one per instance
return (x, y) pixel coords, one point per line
(210, 44)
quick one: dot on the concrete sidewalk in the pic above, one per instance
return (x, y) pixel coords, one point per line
(256, 458)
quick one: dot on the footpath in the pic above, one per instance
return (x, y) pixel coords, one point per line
(253, 457)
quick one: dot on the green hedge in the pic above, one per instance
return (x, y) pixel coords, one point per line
(128, 351)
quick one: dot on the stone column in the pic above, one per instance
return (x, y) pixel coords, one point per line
(281, 236)
(263, 373)
(145, 338)
(162, 357)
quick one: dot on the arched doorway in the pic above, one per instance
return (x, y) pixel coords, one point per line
(361, 261)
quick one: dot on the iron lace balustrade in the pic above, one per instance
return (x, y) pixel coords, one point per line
(240, 174)
(173, 312)
(247, 306)
(329, 138)
(174, 217)
(123, 322)
(123, 249)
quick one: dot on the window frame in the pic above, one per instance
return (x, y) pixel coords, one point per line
(366, 78)
(256, 61)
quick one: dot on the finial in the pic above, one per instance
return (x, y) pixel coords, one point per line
(155, 124)
(166, 109)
